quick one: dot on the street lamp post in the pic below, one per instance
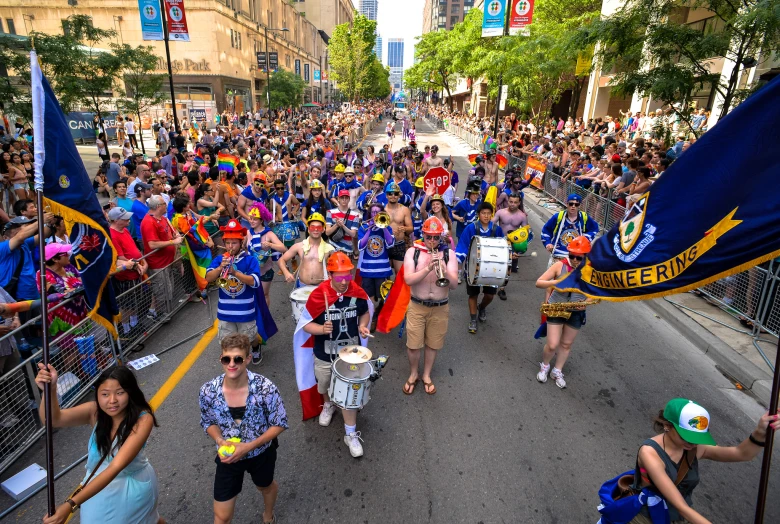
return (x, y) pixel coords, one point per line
(268, 65)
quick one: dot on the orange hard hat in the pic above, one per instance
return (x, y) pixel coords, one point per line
(581, 245)
(432, 226)
(339, 261)
(233, 230)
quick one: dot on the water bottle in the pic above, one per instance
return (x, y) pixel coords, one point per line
(86, 345)
(25, 348)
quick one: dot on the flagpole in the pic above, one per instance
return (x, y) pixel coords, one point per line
(507, 6)
(766, 462)
(164, 15)
(47, 393)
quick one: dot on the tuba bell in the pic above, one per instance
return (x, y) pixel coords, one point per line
(382, 220)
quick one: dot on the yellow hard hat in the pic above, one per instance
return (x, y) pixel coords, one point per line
(339, 168)
(315, 217)
(378, 178)
(419, 183)
(315, 184)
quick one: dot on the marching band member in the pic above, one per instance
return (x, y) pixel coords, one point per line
(342, 224)
(565, 226)
(264, 245)
(484, 228)
(427, 317)
(312, 252)
(241, 307)
(247, 408)
(334, 186)
(400, 221)
(437, 208)
(316, 201)
(376, 194)
(343, 324)
(561, 332)
(406, 188)
(510, 219)
(284, 207)
(374, 262)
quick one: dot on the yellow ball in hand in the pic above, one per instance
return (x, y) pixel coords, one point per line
(226, 451)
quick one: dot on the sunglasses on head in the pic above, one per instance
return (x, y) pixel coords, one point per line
(575, 204)
(576, 257)
(226, 360)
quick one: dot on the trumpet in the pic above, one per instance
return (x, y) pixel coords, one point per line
(223, 281)
(441, 280)
(382, 220)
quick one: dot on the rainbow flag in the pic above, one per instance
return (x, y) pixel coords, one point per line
(197, 250)
(227, 162)
(199, 160)
(484, 139)
(502, 161)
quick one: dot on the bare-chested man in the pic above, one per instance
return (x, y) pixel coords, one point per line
(491, 168)
(428, 314)
(509, 219)
(434, 160)
(313, 253)
(400, 221)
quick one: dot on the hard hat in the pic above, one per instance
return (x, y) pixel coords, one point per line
(315, 184)
(233, 230)
(437, 198)
(315, 217)
(392, 187)
(419, 183)
(432, 226)
(580, 245)
(339, 261)
(339, 168)
(378, 178)
(350, 169)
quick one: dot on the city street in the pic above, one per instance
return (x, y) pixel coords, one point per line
(491, 446)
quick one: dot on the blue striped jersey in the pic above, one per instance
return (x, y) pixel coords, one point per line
(281, 202)
(374, 262)
(237, 300)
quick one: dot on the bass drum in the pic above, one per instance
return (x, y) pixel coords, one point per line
(298, 299)
(488, 262)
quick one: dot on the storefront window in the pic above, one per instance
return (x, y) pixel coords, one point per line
(236, 99)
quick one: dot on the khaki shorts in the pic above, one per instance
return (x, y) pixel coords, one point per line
(322, 372)
(246, 328)
(426, 326)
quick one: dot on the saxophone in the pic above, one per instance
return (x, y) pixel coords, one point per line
(564, 309)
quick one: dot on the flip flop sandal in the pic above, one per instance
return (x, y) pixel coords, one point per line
(409, 387)
(429, 385)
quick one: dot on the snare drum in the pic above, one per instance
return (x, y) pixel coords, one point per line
(286, 231)
(350, 385)
(298, 299)
(488, 262)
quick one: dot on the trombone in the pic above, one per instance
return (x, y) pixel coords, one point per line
(382, 219)
(441, 280)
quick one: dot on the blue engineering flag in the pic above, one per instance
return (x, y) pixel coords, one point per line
(68, 192)
(713, 213)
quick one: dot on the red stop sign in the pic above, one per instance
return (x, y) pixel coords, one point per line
(439, 178)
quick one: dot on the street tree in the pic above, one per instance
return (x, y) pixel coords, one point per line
(434, 63)
(656, 54)
(286, 89)
(141, 89)
(378, 80)
(350, 54)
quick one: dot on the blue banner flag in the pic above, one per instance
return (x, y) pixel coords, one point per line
(713, 213)
(68, 192)
(493, 18)
(151, 20)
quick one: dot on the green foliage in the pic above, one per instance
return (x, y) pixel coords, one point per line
(654, 53)
(379, 80)
(286, 89)
(351, 57)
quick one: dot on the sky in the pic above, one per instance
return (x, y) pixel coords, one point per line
(399, 19)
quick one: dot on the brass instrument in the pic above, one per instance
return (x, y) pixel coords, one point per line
(441, 280)
(564, 309)
(223, 281)
(369, 199)
(382, 219)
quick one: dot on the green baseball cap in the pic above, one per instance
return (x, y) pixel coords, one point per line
(690, 420)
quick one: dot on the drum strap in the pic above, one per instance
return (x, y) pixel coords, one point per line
(416, 257)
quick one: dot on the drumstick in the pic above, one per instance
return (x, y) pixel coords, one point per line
(327, 307)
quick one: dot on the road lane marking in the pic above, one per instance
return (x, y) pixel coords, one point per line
(183, 368)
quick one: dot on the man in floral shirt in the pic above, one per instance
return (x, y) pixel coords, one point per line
(246, 408)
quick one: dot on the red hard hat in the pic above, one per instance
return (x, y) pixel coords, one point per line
(432, 226)
(233, 230)
(579, 245)
(339, 261)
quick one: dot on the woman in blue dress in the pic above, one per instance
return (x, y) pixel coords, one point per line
(120, 485)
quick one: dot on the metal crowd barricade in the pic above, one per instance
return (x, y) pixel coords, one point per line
(80, 355)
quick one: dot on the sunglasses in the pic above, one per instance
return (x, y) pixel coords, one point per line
(226, 360)
(434, 238)
(393, 194)
(342, 278)
(349, 175)
(575, 257)
(315, 227)
(575, 204)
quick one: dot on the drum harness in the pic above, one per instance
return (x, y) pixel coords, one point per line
(332, 346)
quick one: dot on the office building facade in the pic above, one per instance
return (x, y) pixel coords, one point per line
(444, 14)
(395, 61)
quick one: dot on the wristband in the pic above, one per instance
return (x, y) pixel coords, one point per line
(73, 505)
(756, 441)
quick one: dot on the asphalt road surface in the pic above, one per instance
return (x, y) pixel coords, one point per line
(492, 446)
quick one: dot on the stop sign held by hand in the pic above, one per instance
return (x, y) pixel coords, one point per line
(439, 178)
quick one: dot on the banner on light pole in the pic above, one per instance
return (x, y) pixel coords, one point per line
(177, 21)
(520, 16)
(151, 20)
(493, 18)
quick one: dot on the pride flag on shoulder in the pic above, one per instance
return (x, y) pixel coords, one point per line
(67, 189)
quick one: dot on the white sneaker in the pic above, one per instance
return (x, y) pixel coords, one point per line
(353, 441)
(557, 374)
(542, 375)
(327, 413)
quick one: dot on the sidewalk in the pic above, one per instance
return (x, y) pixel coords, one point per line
(721, 336)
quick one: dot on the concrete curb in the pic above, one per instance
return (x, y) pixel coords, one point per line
(731, 363)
